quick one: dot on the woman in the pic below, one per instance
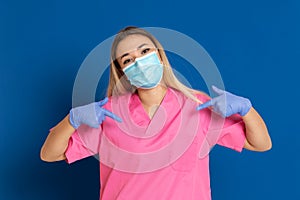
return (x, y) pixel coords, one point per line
(147, 109)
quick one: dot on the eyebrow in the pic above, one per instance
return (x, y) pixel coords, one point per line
(126, 54)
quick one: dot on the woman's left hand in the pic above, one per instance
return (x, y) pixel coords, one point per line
(227, 104)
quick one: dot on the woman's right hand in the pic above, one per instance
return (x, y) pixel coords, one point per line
(91, 114)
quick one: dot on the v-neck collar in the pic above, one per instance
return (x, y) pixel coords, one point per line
(138, 112)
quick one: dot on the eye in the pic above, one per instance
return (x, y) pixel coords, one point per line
(145, 50)
(127, 61)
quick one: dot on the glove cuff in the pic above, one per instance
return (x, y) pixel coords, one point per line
(246, 107)
(72, 121)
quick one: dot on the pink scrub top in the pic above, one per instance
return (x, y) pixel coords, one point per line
(158, 158)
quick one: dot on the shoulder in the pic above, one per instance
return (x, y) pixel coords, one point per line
(191, 94)
(201, 96)
(115, 100)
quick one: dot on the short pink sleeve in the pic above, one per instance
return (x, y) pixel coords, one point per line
(84, 142)
(228, 132)
(233, 133)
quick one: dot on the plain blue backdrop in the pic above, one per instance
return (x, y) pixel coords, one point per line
(255, 45)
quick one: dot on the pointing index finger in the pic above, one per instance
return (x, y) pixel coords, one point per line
(205, 105)
(112, 115)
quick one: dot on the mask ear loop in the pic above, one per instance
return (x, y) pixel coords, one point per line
(161, 82)
(159, 56)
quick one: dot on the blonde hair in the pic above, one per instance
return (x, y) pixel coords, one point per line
(120, 86)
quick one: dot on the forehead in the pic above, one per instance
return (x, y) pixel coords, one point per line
(131, 42)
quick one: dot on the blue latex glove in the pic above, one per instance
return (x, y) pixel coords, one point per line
(91, 114)
(227, 104)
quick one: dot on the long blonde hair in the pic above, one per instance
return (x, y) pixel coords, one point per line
(119, 86)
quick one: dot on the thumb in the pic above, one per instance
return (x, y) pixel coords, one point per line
(217, 90)
(103, 102)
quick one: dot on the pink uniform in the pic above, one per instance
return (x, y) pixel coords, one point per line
(158, 158)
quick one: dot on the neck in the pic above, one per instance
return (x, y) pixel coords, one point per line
(152, 97)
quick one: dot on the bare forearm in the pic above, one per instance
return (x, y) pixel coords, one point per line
(57, 141)
(256, 131)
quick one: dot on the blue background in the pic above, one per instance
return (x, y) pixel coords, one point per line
(255, 45)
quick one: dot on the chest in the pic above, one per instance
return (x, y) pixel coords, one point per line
(140, 144)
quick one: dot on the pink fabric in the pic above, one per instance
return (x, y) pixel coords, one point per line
(82, 145)
(133, 161)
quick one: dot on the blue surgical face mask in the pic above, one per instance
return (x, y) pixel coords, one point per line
(145, 72)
